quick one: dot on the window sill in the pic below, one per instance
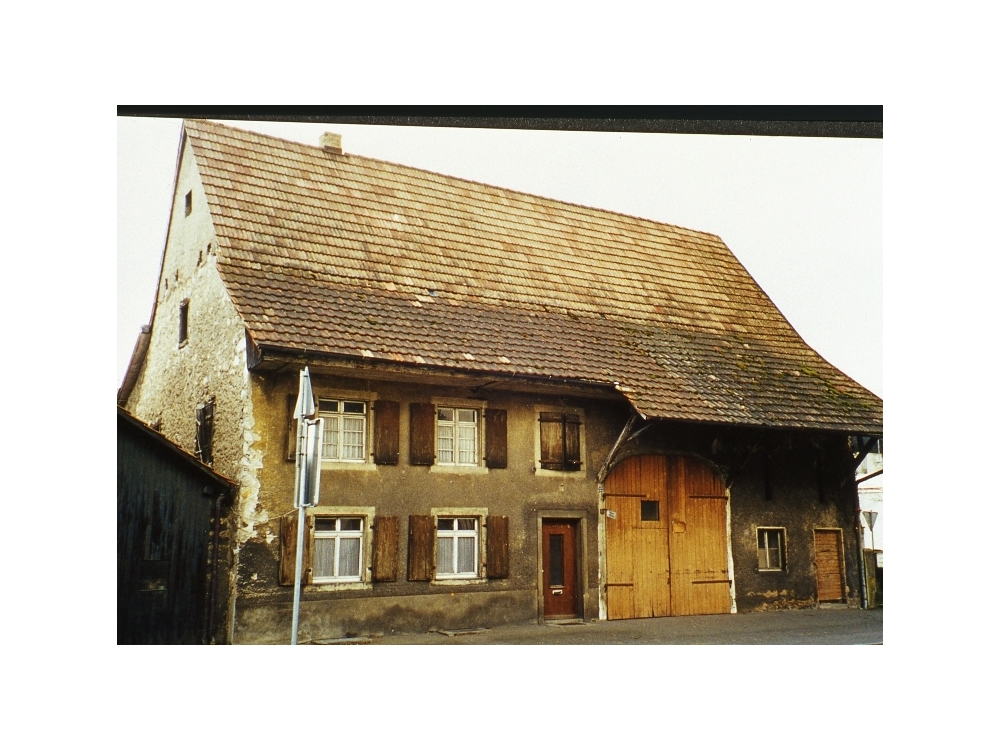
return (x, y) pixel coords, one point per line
(348, 466)
(770, 570)
(456, 469)
(339, 586)
(456, 581)
(581, 473)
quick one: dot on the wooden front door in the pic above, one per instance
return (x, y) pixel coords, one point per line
(667, 544)
(559, 575)
(829, 566)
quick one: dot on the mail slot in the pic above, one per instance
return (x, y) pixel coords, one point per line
(555, 592)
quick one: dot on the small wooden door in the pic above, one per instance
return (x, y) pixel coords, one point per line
(829, 566)
(559, 578)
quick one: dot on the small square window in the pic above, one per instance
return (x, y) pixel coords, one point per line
(187, 203)
(650, 510)
(338, 549)
(770, 549)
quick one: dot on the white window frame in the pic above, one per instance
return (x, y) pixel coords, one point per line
(537, 429)
(366, 463)
(782, 548)
(479, 515)
(367, 514)
(479, 407)
(338, 535)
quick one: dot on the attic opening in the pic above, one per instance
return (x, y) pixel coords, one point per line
(187, 203)
(182, 332)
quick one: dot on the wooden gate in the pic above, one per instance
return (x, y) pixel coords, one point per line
(666, 538)
(829, 565)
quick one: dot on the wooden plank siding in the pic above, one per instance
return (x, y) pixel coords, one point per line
(677, 563)
(386, 548)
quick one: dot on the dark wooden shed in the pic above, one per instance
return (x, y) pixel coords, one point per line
(170, 508)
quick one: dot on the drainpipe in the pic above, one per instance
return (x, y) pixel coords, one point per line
(216, 522)
(859, 533)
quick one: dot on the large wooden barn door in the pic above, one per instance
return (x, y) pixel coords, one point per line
(666, 538)
(829, 566)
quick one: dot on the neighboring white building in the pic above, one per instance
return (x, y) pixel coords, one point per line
(870, 499)
(870, 495)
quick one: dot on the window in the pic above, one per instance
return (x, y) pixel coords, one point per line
(337, 549)
(770, 549)
(346, 428)
(457, 436)
(182, 332)
(650, 510)
(187, 203)
(559, 441)
(457, 547)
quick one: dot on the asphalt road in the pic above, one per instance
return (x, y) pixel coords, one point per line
(808, 626)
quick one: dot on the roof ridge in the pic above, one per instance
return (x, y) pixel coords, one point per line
(697, 232)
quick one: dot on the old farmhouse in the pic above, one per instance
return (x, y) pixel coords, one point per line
(534, 410)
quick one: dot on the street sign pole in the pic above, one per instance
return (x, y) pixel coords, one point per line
(308, 458)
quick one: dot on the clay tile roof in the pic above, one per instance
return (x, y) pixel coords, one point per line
(351, 256)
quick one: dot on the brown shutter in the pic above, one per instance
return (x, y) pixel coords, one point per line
(291, 434)
(386, 447)
(571, 431)
(550, 429)
(496, 438)
(422, 434)
(421, 553)
(288, 534)
(497, 552)
(386, 548)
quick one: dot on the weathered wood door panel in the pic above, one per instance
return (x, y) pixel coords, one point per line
(667, 543)
(829, 566)
(559, 574)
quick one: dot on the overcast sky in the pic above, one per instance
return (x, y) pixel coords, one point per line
(804, 215)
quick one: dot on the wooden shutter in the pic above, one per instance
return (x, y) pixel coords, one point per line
(496, 438)
(497, 552)
(386, 548)
(291, 434)
(422, 434)
(421, 548)
(386, 448)
(289, 534)
(550, 429)
(571, 436)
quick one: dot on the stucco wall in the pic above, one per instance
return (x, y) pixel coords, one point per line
(176, 377)
(263, 608)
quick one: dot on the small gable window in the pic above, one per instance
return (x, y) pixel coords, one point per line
(187, 203)
(182, 332)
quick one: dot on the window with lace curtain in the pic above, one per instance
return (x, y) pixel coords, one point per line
(338, 545)
(457, 547)
(457, 436)
(345, 431)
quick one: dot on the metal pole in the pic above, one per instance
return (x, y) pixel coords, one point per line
(298, 575)
(300, 504)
